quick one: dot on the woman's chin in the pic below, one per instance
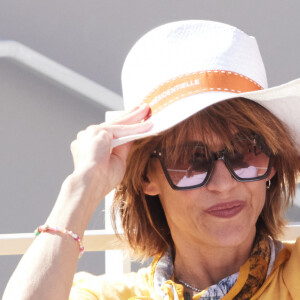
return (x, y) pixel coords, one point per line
(231, 236)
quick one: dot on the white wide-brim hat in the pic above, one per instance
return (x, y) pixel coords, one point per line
(183, 67)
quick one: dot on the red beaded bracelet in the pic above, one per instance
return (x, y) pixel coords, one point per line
(45, 228)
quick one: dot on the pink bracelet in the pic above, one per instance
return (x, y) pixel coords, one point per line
(45, 228)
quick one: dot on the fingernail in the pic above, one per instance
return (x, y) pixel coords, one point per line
(148, 115)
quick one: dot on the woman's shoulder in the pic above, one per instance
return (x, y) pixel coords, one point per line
(284, 278)
(123, 286)
(289, 256)
(291, 268)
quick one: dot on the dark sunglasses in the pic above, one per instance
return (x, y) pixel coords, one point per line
(191, 165)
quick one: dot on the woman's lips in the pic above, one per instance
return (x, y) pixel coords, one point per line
(226, 209)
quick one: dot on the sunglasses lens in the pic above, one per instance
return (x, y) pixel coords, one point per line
(187, 166)
(250, 159)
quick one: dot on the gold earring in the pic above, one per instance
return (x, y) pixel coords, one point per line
(268, 184)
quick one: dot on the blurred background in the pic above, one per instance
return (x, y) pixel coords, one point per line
(39, 117)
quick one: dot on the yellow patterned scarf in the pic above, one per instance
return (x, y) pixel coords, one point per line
(257, 267)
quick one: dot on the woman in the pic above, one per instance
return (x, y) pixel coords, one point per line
(203, 187)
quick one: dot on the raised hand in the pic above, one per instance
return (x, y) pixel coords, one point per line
(93, 153)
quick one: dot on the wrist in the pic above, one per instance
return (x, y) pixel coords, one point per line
(79, 197)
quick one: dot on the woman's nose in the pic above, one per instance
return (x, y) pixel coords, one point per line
(220, 179)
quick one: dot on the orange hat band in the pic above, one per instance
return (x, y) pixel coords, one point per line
(196, 83)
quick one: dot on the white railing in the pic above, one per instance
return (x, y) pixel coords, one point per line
(60, 74)
(96, 240)
(116, 262)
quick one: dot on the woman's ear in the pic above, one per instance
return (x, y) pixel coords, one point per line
(273, 172)
(150, 185)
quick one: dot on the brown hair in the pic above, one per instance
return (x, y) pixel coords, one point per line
(142, 216)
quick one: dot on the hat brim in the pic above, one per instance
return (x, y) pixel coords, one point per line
(283, 101)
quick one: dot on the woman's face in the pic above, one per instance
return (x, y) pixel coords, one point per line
(223, 213)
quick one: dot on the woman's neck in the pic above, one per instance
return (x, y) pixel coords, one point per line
(204, 266)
